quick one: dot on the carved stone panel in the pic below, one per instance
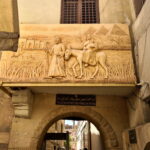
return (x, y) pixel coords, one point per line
(70, 53)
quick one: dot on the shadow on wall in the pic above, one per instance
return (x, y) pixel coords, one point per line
(147, 147)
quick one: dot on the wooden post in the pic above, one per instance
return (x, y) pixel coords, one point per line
(67, 141)
(44, 145)
(89, 137)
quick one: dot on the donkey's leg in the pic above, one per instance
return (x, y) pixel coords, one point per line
(81, 66)
(74, 69)
(103, 64)
(96, 71)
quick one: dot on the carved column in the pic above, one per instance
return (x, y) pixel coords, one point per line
(9, 25)
(22, 101)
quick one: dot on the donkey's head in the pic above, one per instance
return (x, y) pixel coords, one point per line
(67, 54)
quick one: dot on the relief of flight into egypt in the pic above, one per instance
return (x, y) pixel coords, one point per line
(70, 53)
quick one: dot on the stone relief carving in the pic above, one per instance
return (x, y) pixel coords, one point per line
(70, 53)
(56, 67)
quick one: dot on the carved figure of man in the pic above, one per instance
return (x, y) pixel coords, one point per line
(57, 66)
(89, 49)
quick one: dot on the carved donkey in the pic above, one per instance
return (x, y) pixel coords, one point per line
(99, 59)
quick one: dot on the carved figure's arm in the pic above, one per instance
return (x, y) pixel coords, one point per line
(62, 50)
(51, 51)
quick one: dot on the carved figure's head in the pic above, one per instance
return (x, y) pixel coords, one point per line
(88, 37)
(47, 45)
(67, 54)
(57, 40)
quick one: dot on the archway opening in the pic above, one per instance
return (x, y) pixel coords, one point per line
(72, 133)
(147, 147)
(108, 134)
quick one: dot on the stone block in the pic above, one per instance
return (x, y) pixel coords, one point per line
(22, 101)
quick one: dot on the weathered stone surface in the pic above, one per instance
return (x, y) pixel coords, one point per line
(6, 112)
(6, 116)
(22, 101)
(142, 135)
(4, 137)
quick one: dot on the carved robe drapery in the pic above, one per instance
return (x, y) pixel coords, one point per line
(56, 67)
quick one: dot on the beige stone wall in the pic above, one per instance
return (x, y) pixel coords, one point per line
(143, 138)
(6, 116)
(8, 18)
(114, 11)
(39, 12)
(24, 132)
(49, 11)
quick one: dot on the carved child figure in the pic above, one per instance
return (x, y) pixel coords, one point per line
(57, 64)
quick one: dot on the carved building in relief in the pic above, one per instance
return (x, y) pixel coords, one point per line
(70, 53)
